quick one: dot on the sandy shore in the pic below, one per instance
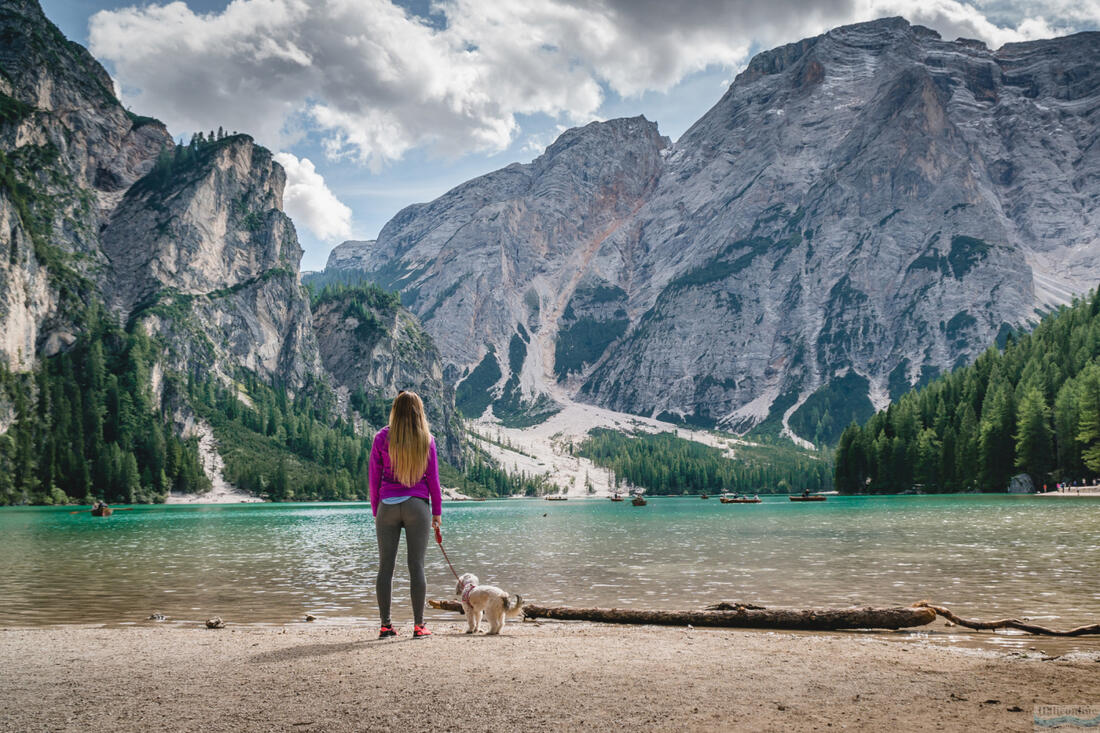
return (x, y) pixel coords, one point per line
(547, 677)
(1093, 491)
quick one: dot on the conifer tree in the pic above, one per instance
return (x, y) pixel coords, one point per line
(1034, 440)
(1088, 434)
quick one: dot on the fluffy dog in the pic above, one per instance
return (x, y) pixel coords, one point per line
(487, 599)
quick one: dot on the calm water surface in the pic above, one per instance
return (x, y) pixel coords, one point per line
(989, 556)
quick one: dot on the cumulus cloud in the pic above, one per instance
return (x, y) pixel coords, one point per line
(309, 201)
(375, 81)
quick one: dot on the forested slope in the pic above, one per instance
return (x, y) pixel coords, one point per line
(1033, 408)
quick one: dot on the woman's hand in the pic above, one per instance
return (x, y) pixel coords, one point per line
(437, 521)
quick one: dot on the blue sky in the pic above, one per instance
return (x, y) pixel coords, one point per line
(373, 105)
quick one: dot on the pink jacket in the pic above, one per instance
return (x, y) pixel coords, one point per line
(383, 484)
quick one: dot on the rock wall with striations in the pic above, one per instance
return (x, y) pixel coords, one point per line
(68, 150)
(859, 211)
(201, 251)
(98, 206)
(373, 346)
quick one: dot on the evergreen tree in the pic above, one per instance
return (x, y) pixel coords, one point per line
(1034, 437)
(927, 470)
(1088, 434)
(1033, 407)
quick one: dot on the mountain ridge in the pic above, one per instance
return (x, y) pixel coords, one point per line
(150, 296)
(858, 211)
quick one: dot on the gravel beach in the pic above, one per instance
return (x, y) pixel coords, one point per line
(535, 677)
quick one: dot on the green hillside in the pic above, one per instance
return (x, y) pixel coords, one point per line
(663, 463)
(1033, 407)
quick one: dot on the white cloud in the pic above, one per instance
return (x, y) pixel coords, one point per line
(955, 19)
(309, 201)
(375, 81)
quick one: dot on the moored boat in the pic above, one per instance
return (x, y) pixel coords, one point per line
(557, 498)
(808, 497)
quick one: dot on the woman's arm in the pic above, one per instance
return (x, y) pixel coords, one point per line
(432, 476)
(375, 474)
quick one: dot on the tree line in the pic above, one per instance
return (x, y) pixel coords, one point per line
(280, 447)
(86, 425)
(663, 463)
(1031, 408)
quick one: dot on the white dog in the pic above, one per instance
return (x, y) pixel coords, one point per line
(488, 599)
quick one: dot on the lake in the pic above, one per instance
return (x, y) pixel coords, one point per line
(982, 555)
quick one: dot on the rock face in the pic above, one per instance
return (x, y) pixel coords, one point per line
(859, 210)
(374, 346)
(507, 250)
(68, 151)
(193, 242)
(202, 253)
(100, 207)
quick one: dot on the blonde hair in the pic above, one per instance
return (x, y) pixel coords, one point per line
(409, 438)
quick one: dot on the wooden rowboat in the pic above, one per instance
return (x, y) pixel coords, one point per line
(557, 498)
(811, 497)
(739, 500)
(616, 497)
(704, 496)
(638, 501)
(102, 511)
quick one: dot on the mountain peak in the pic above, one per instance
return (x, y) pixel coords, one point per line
(859, 210)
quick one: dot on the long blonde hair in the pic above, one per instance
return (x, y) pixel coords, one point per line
(409, 438)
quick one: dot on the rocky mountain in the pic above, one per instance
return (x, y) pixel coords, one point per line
(858, 212)
(373, 348)
(100, 205)
(68, 150)
(202, 254)
(186, 249)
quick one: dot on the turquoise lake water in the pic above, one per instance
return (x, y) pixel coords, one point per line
(988, 556)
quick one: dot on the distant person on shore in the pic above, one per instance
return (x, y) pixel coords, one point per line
(404, 478)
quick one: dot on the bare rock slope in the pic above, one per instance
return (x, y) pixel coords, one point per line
(99, 208)
(859, 210)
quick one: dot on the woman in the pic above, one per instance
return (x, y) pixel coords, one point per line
(404, 476)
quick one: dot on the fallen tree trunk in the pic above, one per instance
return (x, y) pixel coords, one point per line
(745, 615)
(1007, 623)
(822, 619)
(750, 617)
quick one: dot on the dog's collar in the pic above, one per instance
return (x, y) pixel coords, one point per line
(466, 592)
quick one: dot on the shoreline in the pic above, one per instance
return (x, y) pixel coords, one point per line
(235, 496)
(1077, 492)
(540, 677)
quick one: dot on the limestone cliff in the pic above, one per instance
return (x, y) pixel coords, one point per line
(373, 347)
(859, 211)
(201, 251)
(101, 210)
(68, 150)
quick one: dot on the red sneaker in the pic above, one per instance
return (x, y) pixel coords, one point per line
(419, 632)
(386, 631)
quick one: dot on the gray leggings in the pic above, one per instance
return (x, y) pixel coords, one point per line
(416, 517)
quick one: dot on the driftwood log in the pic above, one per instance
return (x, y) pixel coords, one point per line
(1007, 623)
(822, 619)
(737, 616)
(748, 616)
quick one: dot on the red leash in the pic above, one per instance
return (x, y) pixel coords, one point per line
(439, 541)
